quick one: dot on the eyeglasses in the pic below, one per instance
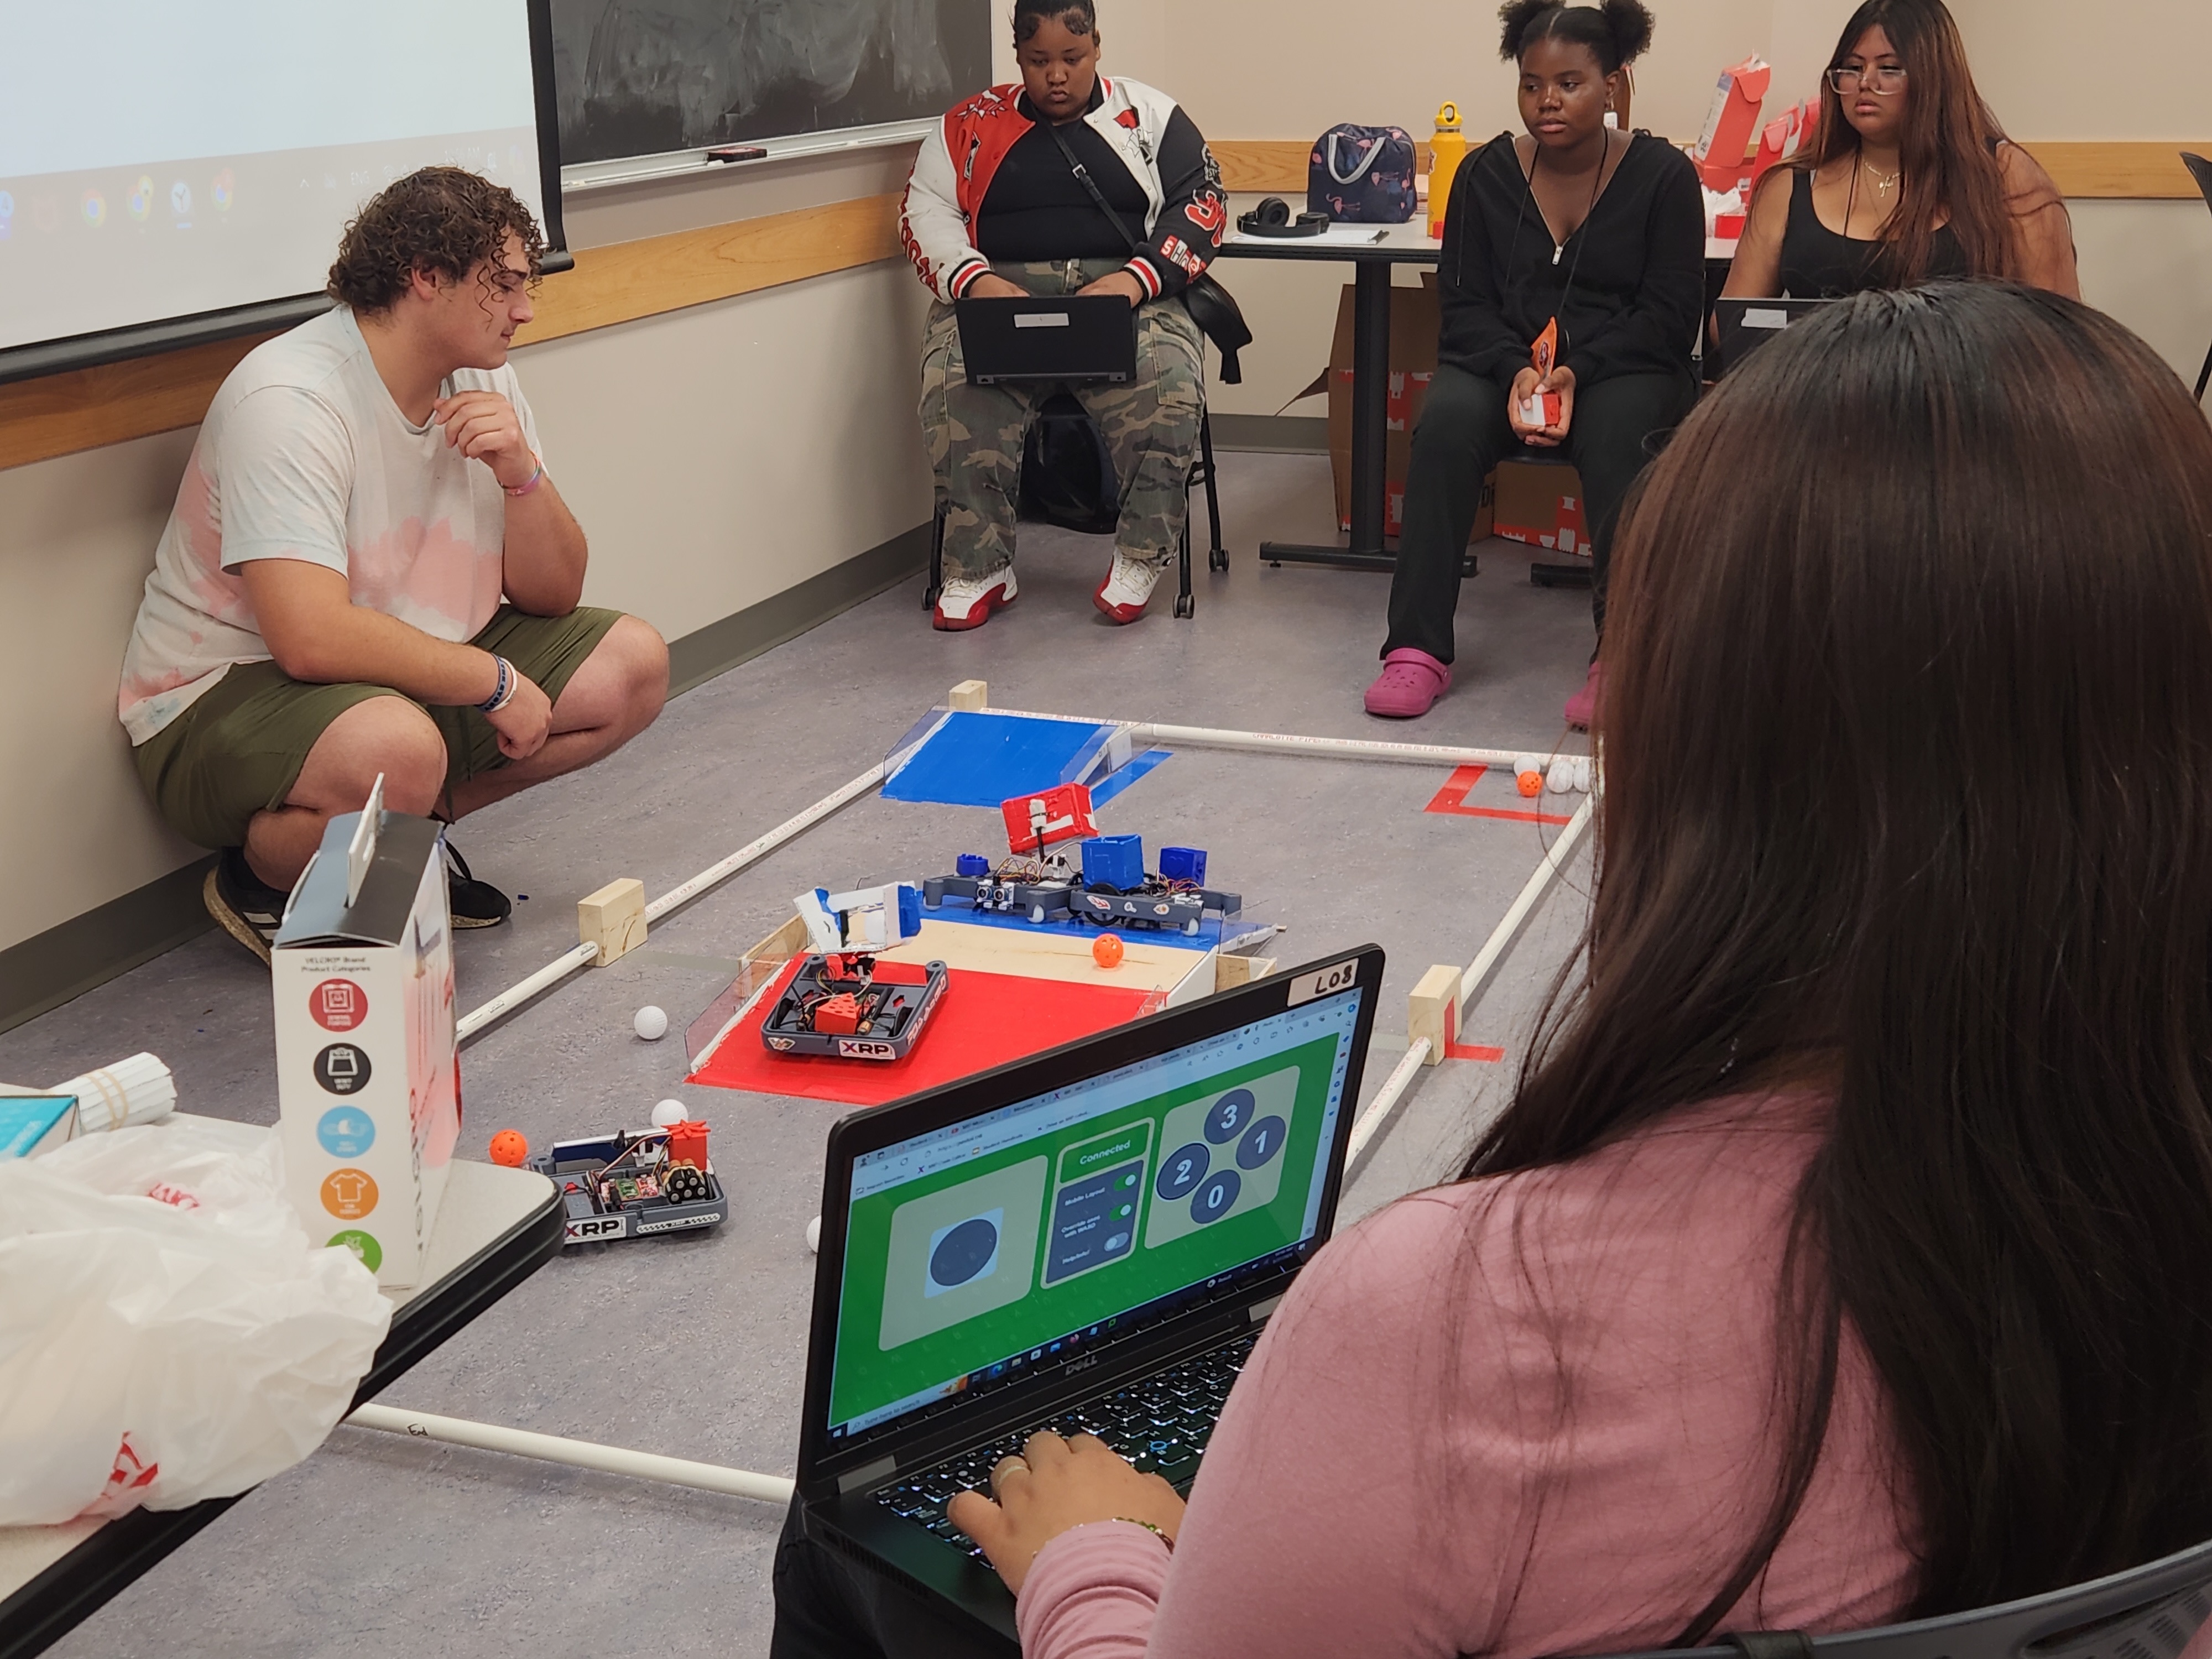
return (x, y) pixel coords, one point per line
(1883, 81)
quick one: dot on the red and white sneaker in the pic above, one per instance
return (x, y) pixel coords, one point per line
(1127, 588)
(968, 602)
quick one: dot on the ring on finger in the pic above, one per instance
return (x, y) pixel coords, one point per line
(999, 1468)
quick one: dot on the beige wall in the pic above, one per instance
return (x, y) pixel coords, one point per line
(1288, 68)
(708, 454)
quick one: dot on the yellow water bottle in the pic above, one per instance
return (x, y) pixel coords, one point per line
(1447, 150)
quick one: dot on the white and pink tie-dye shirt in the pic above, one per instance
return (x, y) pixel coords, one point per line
(304, 455)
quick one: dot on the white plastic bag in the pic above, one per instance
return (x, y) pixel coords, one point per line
(167, 1333)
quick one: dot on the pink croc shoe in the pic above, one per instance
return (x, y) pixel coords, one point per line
(1409, 685)
(1582, 708)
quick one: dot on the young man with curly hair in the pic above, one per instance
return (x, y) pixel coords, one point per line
(368, 569)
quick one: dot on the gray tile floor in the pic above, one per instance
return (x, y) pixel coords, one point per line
(695, 1345)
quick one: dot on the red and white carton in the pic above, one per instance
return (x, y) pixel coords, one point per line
(368, 1084)
(1046, 818)
(1785, 135)
(1721, 150)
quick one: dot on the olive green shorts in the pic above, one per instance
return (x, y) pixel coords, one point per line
(237, 750)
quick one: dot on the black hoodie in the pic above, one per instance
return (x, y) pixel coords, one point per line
(1638, 269)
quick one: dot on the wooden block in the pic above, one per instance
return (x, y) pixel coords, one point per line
(972, 696)
(1235, 970)
(613, 919)
(1432, 1012)
(779, 947)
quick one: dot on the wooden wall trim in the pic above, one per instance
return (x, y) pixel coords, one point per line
(84, 409)
(2084, 169)
(626, 281)
(2118, 170)
(62, 414)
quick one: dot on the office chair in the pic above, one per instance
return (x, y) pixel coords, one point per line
(1186, 604)
(2201, 170)
(2149, 1612)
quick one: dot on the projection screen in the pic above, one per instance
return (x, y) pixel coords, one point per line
(175, 172)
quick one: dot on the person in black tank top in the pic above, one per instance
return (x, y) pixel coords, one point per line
(1862, 209)
(1819, 263)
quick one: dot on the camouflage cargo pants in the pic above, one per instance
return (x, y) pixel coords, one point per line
(974, 432)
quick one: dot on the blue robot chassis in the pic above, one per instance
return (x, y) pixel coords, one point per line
(1180, 911)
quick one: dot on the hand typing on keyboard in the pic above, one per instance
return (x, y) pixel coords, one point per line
(1053, 1485)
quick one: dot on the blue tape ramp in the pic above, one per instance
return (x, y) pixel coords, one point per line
(966, 759)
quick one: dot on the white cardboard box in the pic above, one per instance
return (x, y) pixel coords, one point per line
(368, 1080)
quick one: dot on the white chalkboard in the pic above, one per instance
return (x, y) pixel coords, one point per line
(646, 78)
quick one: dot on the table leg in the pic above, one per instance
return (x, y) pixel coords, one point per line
(1371, 437)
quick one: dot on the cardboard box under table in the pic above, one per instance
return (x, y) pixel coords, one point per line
(367, 1082)
(1540, 506)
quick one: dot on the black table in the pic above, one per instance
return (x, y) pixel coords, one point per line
(496, 1227)
(1371, 262)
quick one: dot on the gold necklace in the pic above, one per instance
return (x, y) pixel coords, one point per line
(1883, 182)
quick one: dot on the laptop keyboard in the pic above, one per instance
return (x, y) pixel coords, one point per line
(1161, 1425)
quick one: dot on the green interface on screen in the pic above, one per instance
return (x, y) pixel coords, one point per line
(1011, 1242)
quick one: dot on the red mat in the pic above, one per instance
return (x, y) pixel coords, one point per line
(983, 1020)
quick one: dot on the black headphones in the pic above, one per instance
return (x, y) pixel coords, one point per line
(1273, 218)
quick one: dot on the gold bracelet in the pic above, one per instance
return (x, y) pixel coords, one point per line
(1150, 1528)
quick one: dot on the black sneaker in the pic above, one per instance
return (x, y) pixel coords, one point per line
(474, 904)
(243, 905)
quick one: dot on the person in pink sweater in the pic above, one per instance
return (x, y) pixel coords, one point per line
(1845, 1254)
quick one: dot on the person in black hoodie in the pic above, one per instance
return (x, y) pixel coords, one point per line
(1576, 223)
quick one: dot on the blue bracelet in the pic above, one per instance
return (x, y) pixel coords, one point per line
(502, 691)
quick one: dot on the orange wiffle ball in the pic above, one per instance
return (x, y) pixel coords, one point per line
(1106, 949)
(508, 1147)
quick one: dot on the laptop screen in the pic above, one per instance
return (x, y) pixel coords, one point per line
(980, 1254)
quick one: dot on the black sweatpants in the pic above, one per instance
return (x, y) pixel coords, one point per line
(1463, 434)
(829, 1607)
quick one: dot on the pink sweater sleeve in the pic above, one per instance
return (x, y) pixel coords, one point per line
(1522, 1417)
(1311, 1526)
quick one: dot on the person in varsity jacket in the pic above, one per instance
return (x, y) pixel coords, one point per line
(993, 208)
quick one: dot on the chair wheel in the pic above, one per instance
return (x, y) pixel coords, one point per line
(1186, 607)
(930, 597)
(1218, 559)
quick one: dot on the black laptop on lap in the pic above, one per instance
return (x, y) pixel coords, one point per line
(1074, 338)
(1747, 325)
(1090, 1239)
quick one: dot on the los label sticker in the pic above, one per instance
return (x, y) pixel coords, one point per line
(1324, 982)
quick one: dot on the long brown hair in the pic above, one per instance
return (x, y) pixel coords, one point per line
(1947, 149)
(1907, 738)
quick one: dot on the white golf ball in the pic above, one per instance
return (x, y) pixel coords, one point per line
(669, 1113)
(814, 1235)
(651, 1023)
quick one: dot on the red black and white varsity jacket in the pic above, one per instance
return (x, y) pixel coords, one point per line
(1154, 140)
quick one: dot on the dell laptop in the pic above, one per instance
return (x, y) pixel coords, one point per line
(1076, 338)
(1091, 1239)
(1747, 325)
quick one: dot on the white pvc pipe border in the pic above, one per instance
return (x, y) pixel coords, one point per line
(1386, 1100)
(583, 955)
(778, 1489)
(576, 1454)
(1494, 947)
(1424, 754)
